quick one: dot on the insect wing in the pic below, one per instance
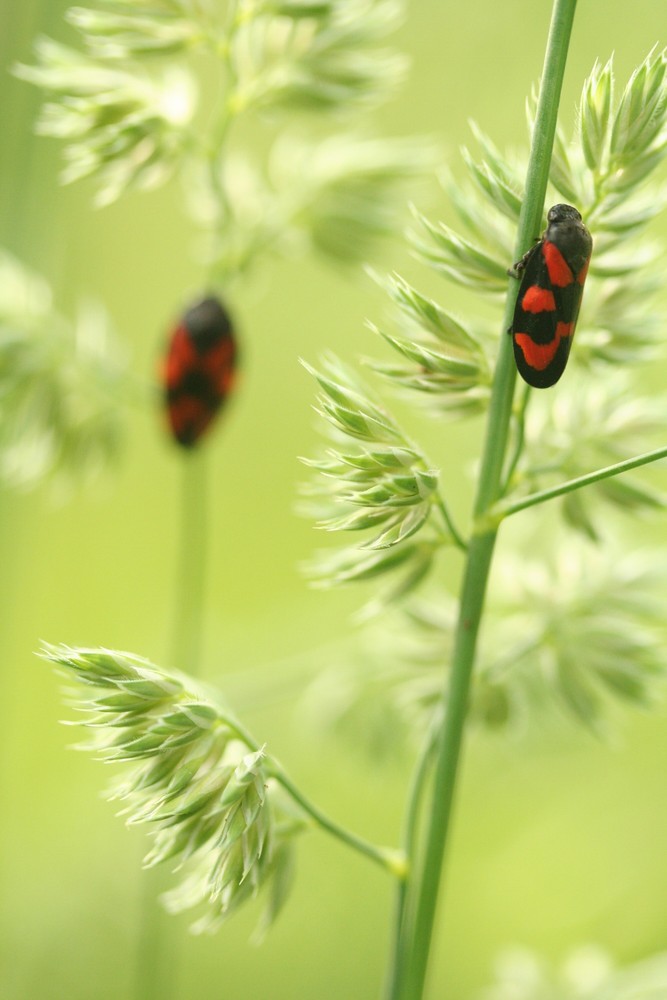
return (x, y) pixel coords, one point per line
(545, 316)
(549, 299)
(199, 370)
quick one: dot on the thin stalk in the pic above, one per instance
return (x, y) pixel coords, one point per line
(410, 844)
(156, 972)
(411, 975)
(520, 421)
(411, 966)
(191, 569)
(155, 977)
(506, 509)
(388, 858)
(457, 537)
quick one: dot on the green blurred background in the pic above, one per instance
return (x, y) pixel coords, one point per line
(558, 840)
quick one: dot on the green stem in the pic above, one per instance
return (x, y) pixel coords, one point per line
(520, 422)
(388, 858)
(155, 977)
(412, 816)
(155, 974)
(506, 509)
(191, 569)
(218, 132)
(456, 535)
(411, 967)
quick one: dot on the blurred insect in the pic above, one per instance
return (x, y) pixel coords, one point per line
(199, 369)
(552, 276)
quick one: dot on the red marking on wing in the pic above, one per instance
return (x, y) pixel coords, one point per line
(540, 356)
(198, 373)
(215, 366)
(559, 271)
(189, 419)
(581, 277)
(181, 356)
(537, 300)
(218, 365)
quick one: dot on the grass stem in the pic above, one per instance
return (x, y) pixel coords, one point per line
(410, 965)
(157, 950)
(507, 508)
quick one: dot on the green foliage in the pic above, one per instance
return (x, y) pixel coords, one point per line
(575, 632)
(587, 974)
(336, 196)
(127, 128)
(582, 629)
(343, 190)
(616, 146)
(574, 629)
(134, 106)
(589, 425)
(453, 371)
(196, 779)
(637, 141)
(122, 29)
(373, 481)
(325, 60)
(60, 385)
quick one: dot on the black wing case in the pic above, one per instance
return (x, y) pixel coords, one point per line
(544, 319)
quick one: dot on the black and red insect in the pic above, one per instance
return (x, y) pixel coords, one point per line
(552, 275)
(199, 369)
